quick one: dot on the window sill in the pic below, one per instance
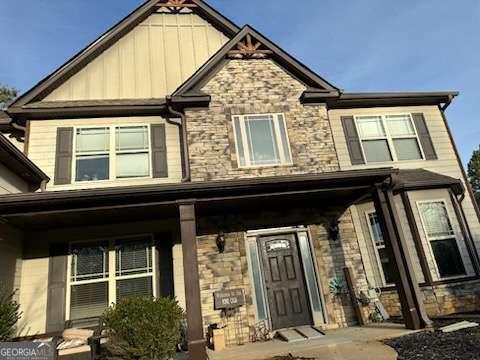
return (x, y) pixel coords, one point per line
(452, 278)
(383, 163)
(443, 281)
(115, 183)
(264, 166)
(112, 180)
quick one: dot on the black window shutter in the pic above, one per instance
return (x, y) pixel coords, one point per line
(57, 286)
(353, 141)
(159, 151)
(164, 248)
(63, 156)
(424, 137)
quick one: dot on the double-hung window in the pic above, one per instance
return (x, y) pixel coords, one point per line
(109, 153)
(92, 153)
(388, 138)
(100, 273)
(261, 140)
(385, 266)
(441, 236)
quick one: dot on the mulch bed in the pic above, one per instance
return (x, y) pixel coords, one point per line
(436, 345)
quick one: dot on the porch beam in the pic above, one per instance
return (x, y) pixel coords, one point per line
(188, 233)
(413, 310)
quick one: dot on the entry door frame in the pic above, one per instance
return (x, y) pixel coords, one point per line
(318, 314)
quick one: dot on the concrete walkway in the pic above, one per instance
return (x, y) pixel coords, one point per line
(353, 343)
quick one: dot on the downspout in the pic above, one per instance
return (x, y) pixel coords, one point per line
(182, 129)
(18, 127)
(462, 169)
(447, 104)
(469, 232)
(44, 182)
(43, 185)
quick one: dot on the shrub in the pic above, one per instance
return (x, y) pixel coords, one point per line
(9, 314)
(143, 328)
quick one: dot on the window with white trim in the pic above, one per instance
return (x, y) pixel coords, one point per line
(100, 273)
(384, 264)
(388, 138)
(261, 140)
(109, 153)
(441, 237)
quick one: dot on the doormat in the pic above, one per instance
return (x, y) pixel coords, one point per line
(289, 357)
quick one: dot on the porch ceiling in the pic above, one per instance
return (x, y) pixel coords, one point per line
(263, 201)
(213, 199)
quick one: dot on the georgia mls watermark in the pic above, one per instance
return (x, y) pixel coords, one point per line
(27, 350)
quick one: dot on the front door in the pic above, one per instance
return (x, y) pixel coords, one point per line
(284, 281)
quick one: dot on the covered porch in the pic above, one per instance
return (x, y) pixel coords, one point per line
(211, 226)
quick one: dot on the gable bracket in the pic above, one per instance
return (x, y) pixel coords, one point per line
(249, 47)
(176, 5)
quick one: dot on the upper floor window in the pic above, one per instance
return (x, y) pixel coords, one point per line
(108, 153)
(261, 140)
(388, 138)
(441, 236)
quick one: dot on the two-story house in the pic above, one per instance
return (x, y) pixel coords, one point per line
(190, 156)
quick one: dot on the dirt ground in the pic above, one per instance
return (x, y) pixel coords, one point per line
(436, 345)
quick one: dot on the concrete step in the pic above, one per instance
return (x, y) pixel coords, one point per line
(290, 335)
(309, 332)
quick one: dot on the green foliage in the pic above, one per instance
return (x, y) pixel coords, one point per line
(7, 94)
(474, 173)
(375, 316)
(143, 328)
(9, 314)
(336, 287)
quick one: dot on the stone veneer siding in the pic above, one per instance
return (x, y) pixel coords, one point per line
(332, 257)
(230, 270)
(224, 271)
(256, 87)
(440, 299)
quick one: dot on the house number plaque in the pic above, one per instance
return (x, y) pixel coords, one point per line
(228, 299)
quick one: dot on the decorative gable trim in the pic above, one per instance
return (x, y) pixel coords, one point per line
(247, 44)
(249, 47)
(176, 5)
(92, 51)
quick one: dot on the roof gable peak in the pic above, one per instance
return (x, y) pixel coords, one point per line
(111, 36)
(250, 44)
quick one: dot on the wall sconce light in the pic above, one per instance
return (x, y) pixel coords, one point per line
(220, 242)
(333, 230)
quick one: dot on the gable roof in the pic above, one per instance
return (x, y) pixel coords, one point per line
(314, 82)
(18, 163)
(93, 50)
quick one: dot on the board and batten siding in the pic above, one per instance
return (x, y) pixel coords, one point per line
(42, 146)
(446, 164)
(151, 61)
(34, 288)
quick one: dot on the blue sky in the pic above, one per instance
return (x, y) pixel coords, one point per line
(358, 45)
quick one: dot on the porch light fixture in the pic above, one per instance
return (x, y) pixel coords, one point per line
(220, 243)
(333, 229)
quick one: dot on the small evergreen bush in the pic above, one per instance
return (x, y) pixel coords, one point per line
(9, 314)
(143, 328)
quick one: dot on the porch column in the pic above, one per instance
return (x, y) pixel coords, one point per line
(413, 309)
(188, 232)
